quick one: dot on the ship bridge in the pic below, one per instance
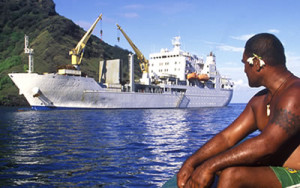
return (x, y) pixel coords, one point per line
(173, 62)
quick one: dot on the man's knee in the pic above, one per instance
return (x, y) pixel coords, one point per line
(233, 172)
(231, 176)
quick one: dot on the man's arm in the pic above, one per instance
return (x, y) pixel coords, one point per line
(239, 129)
(283, 125)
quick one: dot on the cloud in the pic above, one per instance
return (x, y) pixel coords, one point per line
(131, 15)
(248, 36)
(173, 8)
(243, 37)
(134, 6)
(130, 10)
(273, 31)
(240, 84)
(224, 47)
(236, 73)
(293, 63)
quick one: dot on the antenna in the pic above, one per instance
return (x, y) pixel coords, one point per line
(29, 51)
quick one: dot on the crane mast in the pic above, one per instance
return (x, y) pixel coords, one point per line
(77, 52)
(143, 61)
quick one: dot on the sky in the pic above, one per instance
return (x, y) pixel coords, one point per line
(220, 26)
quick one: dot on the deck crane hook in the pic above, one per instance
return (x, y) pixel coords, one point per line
(118, 35)
(101, 31)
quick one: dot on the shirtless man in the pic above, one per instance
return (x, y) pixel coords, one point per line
(275, 111)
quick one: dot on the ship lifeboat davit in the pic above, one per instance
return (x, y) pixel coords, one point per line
(203, 77)
(192, 75)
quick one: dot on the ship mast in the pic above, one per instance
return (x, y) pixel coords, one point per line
(30, 53)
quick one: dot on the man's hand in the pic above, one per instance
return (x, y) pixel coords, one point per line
(202, 177)
(184, 174)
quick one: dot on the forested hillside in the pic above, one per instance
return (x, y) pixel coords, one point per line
(51, 36)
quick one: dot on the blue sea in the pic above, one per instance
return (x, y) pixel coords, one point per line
(102, 148)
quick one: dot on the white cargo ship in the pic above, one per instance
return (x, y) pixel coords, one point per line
(173, 79)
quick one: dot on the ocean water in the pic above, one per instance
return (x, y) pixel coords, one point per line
(103, 148)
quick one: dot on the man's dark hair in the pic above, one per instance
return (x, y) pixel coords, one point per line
(266, 46)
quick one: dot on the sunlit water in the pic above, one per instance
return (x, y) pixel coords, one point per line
(103, 148)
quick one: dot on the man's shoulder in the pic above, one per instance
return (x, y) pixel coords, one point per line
(293, 88)
(258, 99)
(296, 84)
(290, 95)
(259, 96)
(261, 93)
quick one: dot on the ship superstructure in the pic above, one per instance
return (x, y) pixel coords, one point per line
(171, 79)
(183, 68)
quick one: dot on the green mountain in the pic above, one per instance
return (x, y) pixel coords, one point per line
(51, 36)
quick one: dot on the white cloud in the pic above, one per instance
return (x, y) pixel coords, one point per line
(248, 36)
(293, 63)
(240, 84)
(134, 6)
(224, 47)
(131, 9)
(131, 15)
(273, 31)
(243, 37)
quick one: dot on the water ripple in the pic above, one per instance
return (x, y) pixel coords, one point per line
(105, 148)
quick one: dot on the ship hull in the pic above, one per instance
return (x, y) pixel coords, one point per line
(53, 91)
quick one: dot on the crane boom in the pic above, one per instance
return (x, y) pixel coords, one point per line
(143, 61)
(77, 52)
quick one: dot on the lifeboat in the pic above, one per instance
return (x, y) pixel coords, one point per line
(192, 75)
(203, 77)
